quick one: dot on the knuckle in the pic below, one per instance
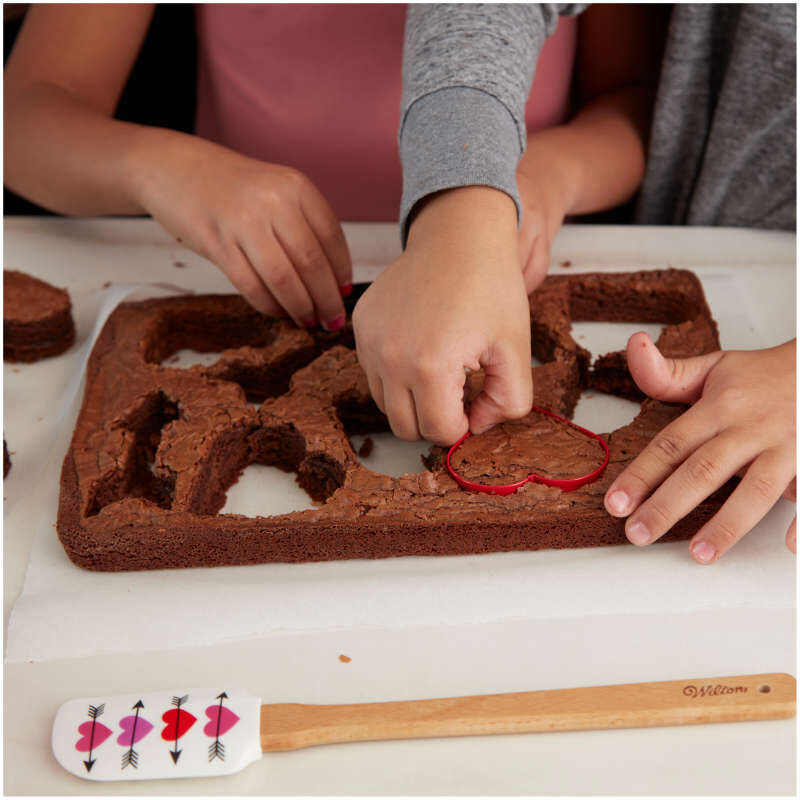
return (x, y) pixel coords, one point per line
(294, 177)
(403, 431)
(249, 213)
(638, 484)
(516, 408)
(267, 198)
(766, 488)
(210, 244)
(391, 356)
(330, 229)
(427, 370)
(279, 278)
(258, 297)
(723, 534)
(441, 434)
(661, 515)
(702, 470)
(731, 400)
(669, 447)
(250, 286)
(311, 260)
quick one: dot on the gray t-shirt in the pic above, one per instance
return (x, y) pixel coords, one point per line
(722, 147)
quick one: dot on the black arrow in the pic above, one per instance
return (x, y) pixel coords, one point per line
(177, 702)
(94, 713)
(131, 756)
(216, 749)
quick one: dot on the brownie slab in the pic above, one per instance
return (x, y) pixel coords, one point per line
(37, 318)
(155, 447)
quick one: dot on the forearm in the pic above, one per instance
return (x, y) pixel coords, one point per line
(596, 161)
(67, 157)
(467, 71)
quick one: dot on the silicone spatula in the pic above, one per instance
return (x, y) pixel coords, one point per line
(205, 732)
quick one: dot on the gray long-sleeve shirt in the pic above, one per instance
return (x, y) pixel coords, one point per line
(722, 146)
(467, 72)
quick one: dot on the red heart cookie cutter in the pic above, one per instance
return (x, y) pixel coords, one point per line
(567, 484)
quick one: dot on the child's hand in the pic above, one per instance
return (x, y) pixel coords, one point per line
(454, 301)
(742, 420)
(266, 226)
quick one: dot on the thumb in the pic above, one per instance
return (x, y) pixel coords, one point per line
(507, 391)
(791, 536)
(673, 380)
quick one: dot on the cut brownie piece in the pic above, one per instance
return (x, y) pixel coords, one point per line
(155, 448)
(37, 318)
(670, 296)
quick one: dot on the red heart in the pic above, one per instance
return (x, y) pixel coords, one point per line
(91, 740)
(178, 722)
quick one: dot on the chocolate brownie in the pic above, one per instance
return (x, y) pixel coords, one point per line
(37, 318)
(6, 459)
(156, 447)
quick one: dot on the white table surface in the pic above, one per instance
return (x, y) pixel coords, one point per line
(608, 644)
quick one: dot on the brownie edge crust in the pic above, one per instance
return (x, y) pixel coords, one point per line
(155, 447)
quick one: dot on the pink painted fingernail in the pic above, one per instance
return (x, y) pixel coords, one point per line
(346, 289)
(618, 502)
(638, 534)
(334, 324)
(704, 552)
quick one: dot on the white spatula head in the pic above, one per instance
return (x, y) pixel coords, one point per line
(183, 733)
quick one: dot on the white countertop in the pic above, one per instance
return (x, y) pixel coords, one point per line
(746, 624)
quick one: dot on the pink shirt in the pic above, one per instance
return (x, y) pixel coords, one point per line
(317, 87)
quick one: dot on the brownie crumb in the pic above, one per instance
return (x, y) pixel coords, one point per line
(106, 284)
(566, 263)
(365, 451)
(178, 264)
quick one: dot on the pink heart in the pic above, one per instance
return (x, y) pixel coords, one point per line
(89, 741)
(222, 720)
(128, 737)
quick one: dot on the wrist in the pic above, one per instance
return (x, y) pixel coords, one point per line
(549, 170)
(149, 157)
(465, 211)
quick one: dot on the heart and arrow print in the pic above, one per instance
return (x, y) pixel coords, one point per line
(158, 735)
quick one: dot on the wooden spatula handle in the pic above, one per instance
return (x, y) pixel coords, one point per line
(288, 726)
